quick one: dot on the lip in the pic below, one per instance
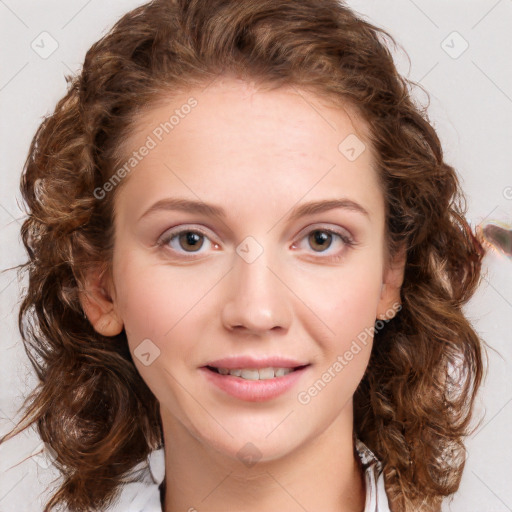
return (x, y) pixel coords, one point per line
(253, 362)
(254, 390)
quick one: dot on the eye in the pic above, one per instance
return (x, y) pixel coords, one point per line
(184, 240)
(191, 240)
(322, 239)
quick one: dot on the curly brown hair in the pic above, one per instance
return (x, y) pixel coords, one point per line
(413, 406)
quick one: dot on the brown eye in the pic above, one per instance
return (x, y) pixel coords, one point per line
(191, 239)
(320, 239)
(186, 241)
(330, 245)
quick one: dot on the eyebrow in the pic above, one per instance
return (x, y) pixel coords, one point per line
(200, 207)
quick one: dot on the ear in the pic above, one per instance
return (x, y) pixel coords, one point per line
(98, 305)
(392, 280)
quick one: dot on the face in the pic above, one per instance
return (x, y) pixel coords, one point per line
(254, 275)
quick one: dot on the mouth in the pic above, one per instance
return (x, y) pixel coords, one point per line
(267, 373)
(254, 384)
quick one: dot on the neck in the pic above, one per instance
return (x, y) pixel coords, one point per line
(322, 474)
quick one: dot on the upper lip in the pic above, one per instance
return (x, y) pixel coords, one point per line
(252, 362)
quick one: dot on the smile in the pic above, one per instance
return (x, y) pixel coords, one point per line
(254, 373)
(253, 384)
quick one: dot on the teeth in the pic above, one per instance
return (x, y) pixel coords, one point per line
(255, 373)
(266, 373)
(250, 374)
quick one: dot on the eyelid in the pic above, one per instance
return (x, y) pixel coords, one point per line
(319, 226)
(343, 233)
(312, 227)
(171, 232)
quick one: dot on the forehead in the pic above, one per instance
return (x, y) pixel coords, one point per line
(236, 140)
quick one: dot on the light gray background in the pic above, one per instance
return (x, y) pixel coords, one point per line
(471, 107)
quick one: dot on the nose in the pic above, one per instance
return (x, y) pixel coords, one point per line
(257, 298)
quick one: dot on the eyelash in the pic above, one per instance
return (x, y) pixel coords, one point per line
(347, 240)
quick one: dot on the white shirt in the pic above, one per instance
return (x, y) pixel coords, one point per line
(144, 495)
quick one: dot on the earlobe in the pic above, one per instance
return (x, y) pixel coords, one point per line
(390, 300)
(99, 306)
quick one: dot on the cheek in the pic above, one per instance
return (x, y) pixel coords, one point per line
(152, 307)
(151, 297)
(344, 346)
(162, 304)
(345, 302)
(141, 306)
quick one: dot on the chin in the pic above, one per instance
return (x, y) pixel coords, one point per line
(251, 446)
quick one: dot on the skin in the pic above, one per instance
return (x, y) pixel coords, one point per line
(259, 154)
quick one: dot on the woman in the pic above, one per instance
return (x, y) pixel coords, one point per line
(313, 354)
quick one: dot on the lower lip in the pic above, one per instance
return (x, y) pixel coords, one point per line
(254, 390)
